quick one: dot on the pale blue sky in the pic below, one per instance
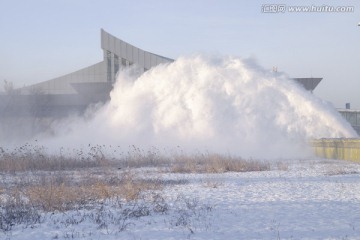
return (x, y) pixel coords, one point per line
(42, 39)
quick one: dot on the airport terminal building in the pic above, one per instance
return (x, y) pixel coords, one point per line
(74, 92)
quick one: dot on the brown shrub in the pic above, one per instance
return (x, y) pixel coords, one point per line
(185, 164)
(215, 163)
(52, 194)
(33, 158)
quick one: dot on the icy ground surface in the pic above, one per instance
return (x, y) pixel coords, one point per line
(307, 199)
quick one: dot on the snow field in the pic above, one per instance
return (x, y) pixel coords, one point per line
(311, 199)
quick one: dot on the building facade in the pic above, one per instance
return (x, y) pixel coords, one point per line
(353, 117)
(99, 77)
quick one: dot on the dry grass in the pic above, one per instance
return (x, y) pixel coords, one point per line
(60, 194)
(33, 158)
(215, 163)
(35, 183)
(137, 158)
(59, 182)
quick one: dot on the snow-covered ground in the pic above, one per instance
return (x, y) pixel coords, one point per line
(301, 199)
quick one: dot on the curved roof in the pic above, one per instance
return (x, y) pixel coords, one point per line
(97, 76)
(135, 55)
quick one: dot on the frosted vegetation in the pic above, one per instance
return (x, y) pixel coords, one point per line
(144, 195)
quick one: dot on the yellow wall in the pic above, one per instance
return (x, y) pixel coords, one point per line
(337, 148)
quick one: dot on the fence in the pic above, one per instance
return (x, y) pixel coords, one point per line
(337, 148)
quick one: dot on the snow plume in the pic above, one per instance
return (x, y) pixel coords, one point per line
(219, 104)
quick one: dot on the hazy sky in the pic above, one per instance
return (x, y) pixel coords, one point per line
(43, 39)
